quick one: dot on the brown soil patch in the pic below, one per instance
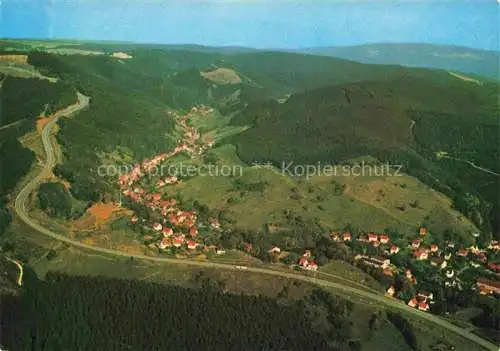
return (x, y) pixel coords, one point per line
(132, 249)
(42, 122)
(103, 212)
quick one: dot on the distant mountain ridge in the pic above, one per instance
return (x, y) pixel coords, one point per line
(452, 58)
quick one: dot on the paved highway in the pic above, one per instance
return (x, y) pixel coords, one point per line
(83, 101)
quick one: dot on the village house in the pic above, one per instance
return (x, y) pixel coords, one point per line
(494, 245)
(334, 236)
(421, 255)
(425, 296)
(167, 232)
(415, 244)
(165, 243)
(193, 231)
(391, 291)
(394, 249)
(275, 249)
(388, 272)
(214, 223)
(447, 256)
(384, 239)
(423, 306)
(220, 251)
(191, 245)
(134, 219)
(488, 287)
(434, 248)
(312, 266)
(413, 302)
(346, 236)
(494, 266)
(178, 242)
(379, 262)
(463, 252)
(423, 231)
(372, 237)
(157, 227)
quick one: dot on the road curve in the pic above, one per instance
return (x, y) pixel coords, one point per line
(21, 270)
(83, 101)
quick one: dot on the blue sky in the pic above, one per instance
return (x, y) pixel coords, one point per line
(256, 23)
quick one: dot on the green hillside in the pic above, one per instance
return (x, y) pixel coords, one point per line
(402, 120)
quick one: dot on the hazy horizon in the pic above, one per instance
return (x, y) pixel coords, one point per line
(278, 24)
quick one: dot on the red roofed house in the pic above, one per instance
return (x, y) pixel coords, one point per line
(488, 287)
(421, 255)
(312, 266)
(372, 237)
(494, 266)
(415, 243)
(191, 245)
(394, 249)
(248, 247)
(413, 302)
(423, 231)
(384, 239)
(422, 306)
(177, 242)
(164, 243)
(167, 232)
(134, 219)
(214, 223)
(434, 248)
(193, 231)
(157, 227)
(156, 196)
(346, 236)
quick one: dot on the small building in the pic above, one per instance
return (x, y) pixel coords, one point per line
(177, 242)
(164, 243)
(275, 249)
(312, 266)
(423, 231)
(421, 255)
(425, 296)
(434, 248)
(191, 245)
(447, 256)
(413, 302)
(220, 251)
(167, 232)
(307, 253)
(423, 306)
(372, 237)
(157, 227)
(415, 244)
(394, 249)
(346, 236)
(379, 262)
(334, 236)
(488, 287)
(449, 273)
(384, 238)
(193, 231)
(391, 290)
(463, 252)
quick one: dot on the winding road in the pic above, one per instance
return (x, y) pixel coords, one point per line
(83, 102)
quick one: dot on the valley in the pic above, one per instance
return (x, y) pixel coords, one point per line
(163, 135)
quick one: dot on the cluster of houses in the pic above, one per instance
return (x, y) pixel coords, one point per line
(433, 254)
(177, 228)
(307, 263)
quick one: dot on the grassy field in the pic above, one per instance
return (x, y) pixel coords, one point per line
(367, 202)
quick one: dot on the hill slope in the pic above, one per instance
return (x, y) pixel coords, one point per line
(467, 60)
(402, 120)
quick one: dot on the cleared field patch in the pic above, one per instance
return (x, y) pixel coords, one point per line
(222, 76)
(465, 78)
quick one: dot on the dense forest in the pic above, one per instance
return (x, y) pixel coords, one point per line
(84, 313)
(405, 121)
